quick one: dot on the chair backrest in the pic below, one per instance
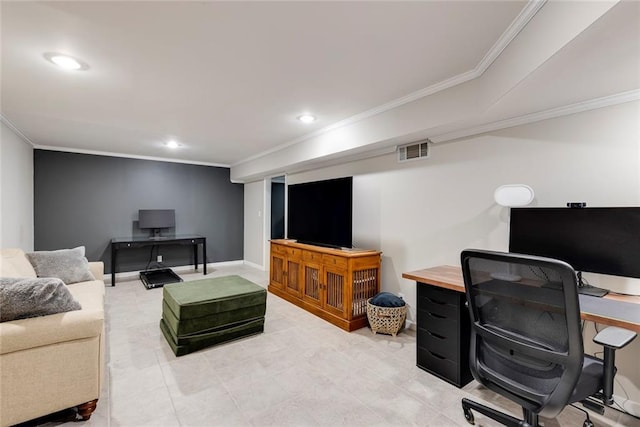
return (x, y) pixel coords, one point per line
(526, 339)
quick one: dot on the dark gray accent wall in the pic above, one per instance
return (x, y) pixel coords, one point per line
(82, 199)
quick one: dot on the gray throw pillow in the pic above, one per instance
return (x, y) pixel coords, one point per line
(21, 298)
(69, 265)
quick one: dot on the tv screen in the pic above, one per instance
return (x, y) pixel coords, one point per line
(156, 218)
(320, 212)
(597, 240)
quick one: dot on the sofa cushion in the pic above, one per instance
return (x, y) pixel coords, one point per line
(14, 263)
(56, 328)
(89, 294)
(70, 265)
(21, 298)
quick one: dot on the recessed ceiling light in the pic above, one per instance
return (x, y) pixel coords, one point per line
(65, 61)
(172, 144)
(307, 118)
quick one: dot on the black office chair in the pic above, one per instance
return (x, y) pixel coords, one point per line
(526, 338)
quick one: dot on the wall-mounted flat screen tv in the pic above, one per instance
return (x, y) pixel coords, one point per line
(597, 240)
(320, 212)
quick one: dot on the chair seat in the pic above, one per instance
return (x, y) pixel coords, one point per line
(590, 380)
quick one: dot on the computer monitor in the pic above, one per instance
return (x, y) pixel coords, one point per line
(598, 240)
(156, 219)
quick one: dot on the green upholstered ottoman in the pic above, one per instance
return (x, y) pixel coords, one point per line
(206, 312)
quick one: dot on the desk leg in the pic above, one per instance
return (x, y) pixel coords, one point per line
(113, 265)
(204, 256)
(195, 255)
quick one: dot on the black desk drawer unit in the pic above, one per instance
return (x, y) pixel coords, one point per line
(443, 334)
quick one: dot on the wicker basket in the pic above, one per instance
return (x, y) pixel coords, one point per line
(386, 320)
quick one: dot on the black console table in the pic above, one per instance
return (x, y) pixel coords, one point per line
(118, 243)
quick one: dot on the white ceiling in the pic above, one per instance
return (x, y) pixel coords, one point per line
(227, 79)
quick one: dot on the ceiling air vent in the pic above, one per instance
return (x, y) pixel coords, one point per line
(417, 150)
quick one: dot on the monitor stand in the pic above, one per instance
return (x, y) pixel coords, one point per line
(156, 235)
(585, 289)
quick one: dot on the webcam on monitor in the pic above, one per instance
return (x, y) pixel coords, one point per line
(576, 205)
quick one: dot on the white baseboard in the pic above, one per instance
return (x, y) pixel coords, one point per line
(223, 264)
(254, 265)
(629, 405)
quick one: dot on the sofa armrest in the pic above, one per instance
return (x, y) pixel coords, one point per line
(97, 269)
(33, 332)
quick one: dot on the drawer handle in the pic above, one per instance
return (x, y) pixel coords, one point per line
(437, 316)
(435, 301)
(436, 355)
(433, 334)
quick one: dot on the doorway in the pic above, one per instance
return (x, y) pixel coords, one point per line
(277, 207)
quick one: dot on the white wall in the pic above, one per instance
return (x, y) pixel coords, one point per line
(423, 213)
(254, 237)
(16, 191)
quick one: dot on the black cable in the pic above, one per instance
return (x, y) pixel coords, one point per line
(151, 256)
(546, 278)
(624, 411)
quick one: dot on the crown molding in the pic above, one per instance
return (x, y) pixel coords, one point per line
(128, 156)
(17, 131)
(521, 21)
(579, 107)
(523, 18)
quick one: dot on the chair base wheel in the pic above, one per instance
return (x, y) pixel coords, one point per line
(468, 415)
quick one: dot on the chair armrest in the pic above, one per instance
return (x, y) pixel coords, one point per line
(614, 337)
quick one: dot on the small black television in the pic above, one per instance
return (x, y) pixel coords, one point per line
(320, 212)
(598, 240)
(156, 219)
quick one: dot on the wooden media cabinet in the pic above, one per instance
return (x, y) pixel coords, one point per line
(333, 284)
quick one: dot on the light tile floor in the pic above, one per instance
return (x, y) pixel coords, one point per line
(302, 371)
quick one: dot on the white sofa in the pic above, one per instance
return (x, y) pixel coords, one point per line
(52, 362)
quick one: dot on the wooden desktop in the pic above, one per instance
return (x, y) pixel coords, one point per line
(449, 277)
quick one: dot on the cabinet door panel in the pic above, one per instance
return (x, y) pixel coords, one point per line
(364, 286)
(277, 270)
(335, 281)
(312, 288)
(293, 277)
